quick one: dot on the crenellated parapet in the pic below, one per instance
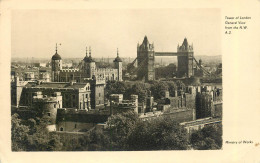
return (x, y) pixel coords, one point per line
(105, 70)
(69, 70)
(55, 98)
(118, 104)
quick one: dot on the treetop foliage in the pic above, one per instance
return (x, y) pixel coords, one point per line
(157, 89)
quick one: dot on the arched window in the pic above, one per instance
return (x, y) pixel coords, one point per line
(61, 129)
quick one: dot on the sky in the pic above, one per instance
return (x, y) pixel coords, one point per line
(36, 32)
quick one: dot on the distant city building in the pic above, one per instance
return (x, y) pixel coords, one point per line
(44, 76)
(24, 73)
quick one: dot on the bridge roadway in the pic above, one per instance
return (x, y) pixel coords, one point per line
(169, 54)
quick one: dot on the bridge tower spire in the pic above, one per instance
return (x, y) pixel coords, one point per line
(145, 60)
(185, 59)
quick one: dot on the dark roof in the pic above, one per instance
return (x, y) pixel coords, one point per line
(80, 116)
(86, 59)
(195, 81)
(146, 45)
(56, 85)
(89, 59)
(118, 59)
(145, 42)
(56, 56)
(185, 42)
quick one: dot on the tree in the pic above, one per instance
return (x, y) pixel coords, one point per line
(210, 137)
(19, 134)
(158, 134)
(33, 135)
(166, 72)
(115, 87)
(41, 139)
(158, 89)
(120, 126)
(139, 89)
(99, 141)
(172, 88)
(76, 142)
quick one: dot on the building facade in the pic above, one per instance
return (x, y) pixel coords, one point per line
(87, 69)
(74, 95)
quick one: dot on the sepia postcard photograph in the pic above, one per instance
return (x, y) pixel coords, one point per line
(130, 81)
(116, 80)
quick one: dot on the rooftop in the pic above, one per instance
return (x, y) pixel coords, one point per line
(56, 56)
(56, 85)
(201, 121)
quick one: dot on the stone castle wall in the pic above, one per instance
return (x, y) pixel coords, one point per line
(179, 115)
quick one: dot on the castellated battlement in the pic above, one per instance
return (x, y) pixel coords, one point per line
(47, 105)
(45, 99)
(63, 111)
(97, 80)
(69, 70)
(55, 98)
(118, 104)
(46, 88)
(42, 100)
(124, 103)
(104, 70)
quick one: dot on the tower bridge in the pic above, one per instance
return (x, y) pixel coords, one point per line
(168, 54)
(146, 55)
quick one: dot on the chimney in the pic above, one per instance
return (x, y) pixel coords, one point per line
(71, 82)
(39, 82)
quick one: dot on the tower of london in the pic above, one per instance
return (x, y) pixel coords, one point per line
(87, 69)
